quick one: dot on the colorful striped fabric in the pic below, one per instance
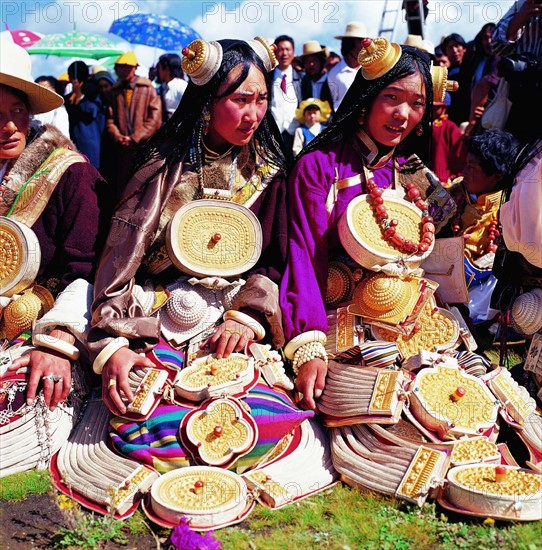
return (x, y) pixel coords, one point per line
(169, 356)
(156, 442)
(377, 354)
(473, 364)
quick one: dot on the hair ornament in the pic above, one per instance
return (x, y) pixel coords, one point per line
(441, 84)
(201, 60)
(265, 52)
(377, 56)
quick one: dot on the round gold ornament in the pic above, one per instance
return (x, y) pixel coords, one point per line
(20, 256)
(362, 238)
(214, 238)
(205, 496)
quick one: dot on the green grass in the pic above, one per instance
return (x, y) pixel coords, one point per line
(20, 486)
(339, 518)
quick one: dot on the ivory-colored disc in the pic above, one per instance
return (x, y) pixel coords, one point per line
(20, 256)
(362, 238)
(214, 238)
(205, 495)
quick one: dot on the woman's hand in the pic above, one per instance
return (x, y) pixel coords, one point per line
(51, 367)
(310, 382)
(115, 378)
(230, 336)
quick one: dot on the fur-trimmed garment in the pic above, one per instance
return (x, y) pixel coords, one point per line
(137, 231)
(70, 228)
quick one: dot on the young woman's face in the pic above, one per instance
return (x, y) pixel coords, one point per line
(236, 117)
(396, 110)
(14, 123)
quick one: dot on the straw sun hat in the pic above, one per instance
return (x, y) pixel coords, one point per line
(324, 106)
(354, 29)
(16, 71)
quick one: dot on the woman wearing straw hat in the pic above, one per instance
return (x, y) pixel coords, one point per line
(49, 218)
(387, 110)
(221, 142)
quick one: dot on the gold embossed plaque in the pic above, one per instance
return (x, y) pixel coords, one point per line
(214, 238)
(20, 256)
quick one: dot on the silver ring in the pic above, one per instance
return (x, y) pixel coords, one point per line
(54, 378)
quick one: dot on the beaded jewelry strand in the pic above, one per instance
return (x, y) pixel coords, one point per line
(389, 227)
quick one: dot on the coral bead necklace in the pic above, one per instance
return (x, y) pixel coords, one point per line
(389, 227)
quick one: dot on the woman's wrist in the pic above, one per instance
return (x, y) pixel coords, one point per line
(308, 352)
(248, 321)
(107, 353)
(302, 339)
(56, 343)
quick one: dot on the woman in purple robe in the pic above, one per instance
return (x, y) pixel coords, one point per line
(380, 121)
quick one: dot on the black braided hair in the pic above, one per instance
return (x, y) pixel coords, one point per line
(173, 141)
(363, 92)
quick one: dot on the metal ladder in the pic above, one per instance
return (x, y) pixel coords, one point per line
(388, 21)
(390, 15)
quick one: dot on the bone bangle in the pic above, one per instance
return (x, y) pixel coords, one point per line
(246, 320)
(305, 338)
(107, 352)
(308, 352)
(56, 344)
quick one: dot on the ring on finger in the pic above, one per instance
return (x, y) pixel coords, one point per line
(54, 378)
(112, 382)
(233, 331)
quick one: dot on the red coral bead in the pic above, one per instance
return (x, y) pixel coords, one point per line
(378, 200)
(428, 228)
(398, 240)
(381, 211)
(389, 232)
(423, 247)
(394, 223)
(375, 192)
(427, 219)
(413, 193)
(492, 248)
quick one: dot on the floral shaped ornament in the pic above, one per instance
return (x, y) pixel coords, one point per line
(220, 431)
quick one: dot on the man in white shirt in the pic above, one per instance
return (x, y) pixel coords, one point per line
(285, 93)
(341, 76)
(173, 85)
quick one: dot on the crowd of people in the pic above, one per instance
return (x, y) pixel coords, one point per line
(273, 152)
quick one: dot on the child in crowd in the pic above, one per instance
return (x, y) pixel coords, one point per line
(312, 113)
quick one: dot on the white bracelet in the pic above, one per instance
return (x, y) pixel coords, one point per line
(308, 352)
(300, 340)
(246, 320)
(107, 352)
(56, 344)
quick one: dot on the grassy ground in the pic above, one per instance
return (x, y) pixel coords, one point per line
(339, 518)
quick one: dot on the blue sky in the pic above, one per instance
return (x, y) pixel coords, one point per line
(303, 19)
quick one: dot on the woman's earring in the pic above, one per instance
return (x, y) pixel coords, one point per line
(206, 120)
(361, 116)
(419, 130)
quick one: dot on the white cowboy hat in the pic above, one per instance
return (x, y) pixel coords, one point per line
(16, 71)
(354, 29)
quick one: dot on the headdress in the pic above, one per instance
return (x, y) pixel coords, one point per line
(201, 59)
(16, 71)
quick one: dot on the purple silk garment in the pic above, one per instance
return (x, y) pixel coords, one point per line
(313, 234)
